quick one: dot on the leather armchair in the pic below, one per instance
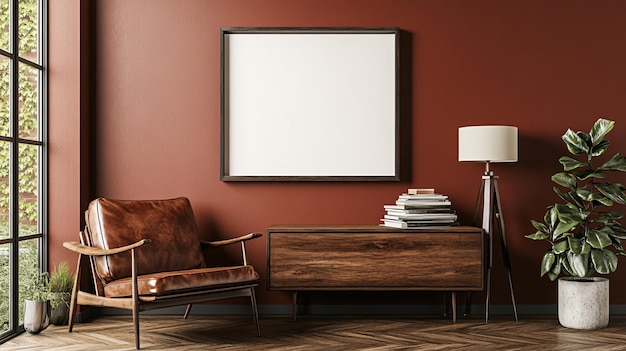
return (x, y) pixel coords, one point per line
(147, 254)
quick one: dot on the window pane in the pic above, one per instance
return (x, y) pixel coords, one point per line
(4, 287)
(28, 189)
(28, 32)
(5, 95)
(29, 271)
(4, 25)
(4, 189)
(29, 102)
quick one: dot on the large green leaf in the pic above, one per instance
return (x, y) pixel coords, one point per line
(599, 149)
(570, 213)
(601, 128)
(563, 228)
(618, 230)
(560, 247)
(586, 138)
(590, 196)
(578, 246)
(565, 179)
(617, 244)
(539, 226)
(608, 218)
(616, 163)
(584, 194)
(614, 192)
(604, 261)
(537, 236)
(568, 197)
(584, 174)
(556, 268)
(565, 265)
(575, 144)
(570, 163)
(599, 238)
(583, 213)
(578, 264)
(551, 218)
(547, 262)
(552, 275)
(600, 198)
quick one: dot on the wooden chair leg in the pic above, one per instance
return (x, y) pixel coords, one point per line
(187, 310)
(255, 311)
(73, 301)
(135, 299)
(136, 324)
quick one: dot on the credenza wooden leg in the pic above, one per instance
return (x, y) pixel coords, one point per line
(454, 306)
(294, 307)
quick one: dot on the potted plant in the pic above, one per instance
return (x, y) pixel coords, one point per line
(583, 233)
(36, 303)
(60, 286)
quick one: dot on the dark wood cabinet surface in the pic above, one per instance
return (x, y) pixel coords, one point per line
(375, 258)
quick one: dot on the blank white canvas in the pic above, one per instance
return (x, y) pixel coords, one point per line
(319, 104)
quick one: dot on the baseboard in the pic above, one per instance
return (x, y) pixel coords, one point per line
(88, 314)
(242, 309)
(319, 309)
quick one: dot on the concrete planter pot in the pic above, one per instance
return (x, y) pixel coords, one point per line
(60, 311)
(583, 303)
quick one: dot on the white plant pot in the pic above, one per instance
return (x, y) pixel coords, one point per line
(36, 315)
(583, 303)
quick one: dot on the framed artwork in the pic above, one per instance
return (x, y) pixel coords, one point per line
(309, 104)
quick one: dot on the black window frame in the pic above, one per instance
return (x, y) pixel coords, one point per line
(14, 239)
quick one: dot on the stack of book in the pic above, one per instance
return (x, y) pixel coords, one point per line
(420, 208)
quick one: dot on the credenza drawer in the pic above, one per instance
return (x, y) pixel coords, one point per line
(375, 258)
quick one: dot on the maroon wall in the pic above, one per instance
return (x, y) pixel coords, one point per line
(65, 126)
(543, 66)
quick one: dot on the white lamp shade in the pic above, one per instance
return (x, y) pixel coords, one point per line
(488, 143)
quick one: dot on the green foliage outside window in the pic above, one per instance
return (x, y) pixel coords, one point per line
(28, 111)
(28, 268)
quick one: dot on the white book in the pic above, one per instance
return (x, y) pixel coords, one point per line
(397, 209)
(402, 224)
(423, 217)
(420, 203)
(423, 197)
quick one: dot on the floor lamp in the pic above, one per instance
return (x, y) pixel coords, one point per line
(490, 144)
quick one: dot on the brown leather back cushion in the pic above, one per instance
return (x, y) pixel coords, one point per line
(170, 224)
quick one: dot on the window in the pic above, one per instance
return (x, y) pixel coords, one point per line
(22, 155)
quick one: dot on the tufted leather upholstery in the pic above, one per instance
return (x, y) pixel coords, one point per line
(182, 281)
(170, 224)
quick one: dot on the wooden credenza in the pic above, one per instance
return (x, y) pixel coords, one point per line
(306, 258)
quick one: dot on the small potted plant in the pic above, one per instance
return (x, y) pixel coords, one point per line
(60, 286)
(584, 235)
(36, 303)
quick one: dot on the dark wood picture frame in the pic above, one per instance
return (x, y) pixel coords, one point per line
(309, 104)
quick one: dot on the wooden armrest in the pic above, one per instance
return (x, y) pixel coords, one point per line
(94, 251)
(246, 237)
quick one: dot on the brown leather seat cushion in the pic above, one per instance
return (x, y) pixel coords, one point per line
(180, 281)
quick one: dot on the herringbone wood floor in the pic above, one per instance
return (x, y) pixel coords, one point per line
(325, 333)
